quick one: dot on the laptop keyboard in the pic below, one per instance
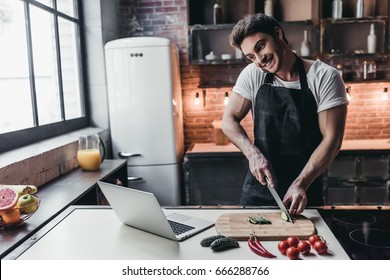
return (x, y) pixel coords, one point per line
(179, 228)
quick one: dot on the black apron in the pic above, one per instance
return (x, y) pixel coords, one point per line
(286, 132)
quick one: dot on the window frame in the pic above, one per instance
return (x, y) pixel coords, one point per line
(15, 139)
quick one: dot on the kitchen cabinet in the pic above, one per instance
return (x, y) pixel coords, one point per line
(205, 36)
(201, 11)
(339, 42)
(357, 178)
(214, 174)
(359, 175)
(339, 37)
(215, 38)
(344, 46)
(211, 38)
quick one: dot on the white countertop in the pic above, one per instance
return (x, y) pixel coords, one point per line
(92, 233)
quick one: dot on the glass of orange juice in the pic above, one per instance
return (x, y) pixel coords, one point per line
(88, 154)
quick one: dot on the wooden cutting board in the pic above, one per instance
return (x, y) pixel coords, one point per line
(237, 226)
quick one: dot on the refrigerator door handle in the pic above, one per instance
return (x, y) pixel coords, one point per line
(132, 178)
(127, 155)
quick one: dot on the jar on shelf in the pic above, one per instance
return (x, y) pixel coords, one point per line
(359, 8)
(269, 8)
(211, 56)
(217, 17)
(305, 45)
(371, 40)
(337, 9)
(339, 69)
(369, 70)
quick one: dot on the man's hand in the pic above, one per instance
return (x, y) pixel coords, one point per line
(332, 124)
(260, 167)
(296, 197)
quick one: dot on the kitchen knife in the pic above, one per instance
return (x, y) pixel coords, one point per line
(279, 201)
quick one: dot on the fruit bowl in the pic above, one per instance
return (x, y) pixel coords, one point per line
(16, 216)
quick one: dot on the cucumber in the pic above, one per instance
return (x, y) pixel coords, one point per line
(285, 217)
(206, 242)
(258, 220)
(224, 243)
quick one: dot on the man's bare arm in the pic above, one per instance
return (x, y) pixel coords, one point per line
(237, 108)
(332, 125)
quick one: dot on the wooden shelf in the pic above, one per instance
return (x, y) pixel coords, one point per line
(218, 61)
(336, 41)
(216, 85)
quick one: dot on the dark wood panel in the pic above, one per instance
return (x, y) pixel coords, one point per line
(214, 179)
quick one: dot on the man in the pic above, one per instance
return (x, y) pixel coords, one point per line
(299, 109)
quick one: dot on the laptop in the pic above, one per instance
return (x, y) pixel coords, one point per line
(141, 210)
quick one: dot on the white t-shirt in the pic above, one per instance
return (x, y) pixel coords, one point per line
(323, 80)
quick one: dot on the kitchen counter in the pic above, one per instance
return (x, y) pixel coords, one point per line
(347, 146)
(212, 148)
(214, 174)
(368, 144)
(93, 233)
(75, 187)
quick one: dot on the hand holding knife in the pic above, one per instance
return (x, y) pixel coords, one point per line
(279, 201)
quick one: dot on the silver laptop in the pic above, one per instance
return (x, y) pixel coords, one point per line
(141, 210)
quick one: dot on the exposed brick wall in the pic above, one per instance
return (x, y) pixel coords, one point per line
(368, 114)
(368, 118)
(41, 168)
(41, 162)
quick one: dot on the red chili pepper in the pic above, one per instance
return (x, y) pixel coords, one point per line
(257, 248)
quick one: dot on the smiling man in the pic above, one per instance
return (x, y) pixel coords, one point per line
(299, 108)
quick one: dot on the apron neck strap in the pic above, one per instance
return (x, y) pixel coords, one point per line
(302, 73)
(269, 78)
(301, 70)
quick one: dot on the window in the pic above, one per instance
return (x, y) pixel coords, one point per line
(41, 84)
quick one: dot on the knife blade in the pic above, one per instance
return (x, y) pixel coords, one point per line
(279, 201)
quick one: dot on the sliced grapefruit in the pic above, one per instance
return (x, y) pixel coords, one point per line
(8, 198)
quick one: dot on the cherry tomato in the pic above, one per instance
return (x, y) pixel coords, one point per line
(292, 253)
(321, 247)
(283, 246)
(304, 247)
(293, 241)
(313, 239)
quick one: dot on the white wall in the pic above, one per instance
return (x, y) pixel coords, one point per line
(100, 26)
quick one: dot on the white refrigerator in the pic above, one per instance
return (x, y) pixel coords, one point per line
(145, 111)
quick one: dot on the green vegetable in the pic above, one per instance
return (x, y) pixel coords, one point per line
(206, 242)
(285, 217)
(258, 220)
(224, 243)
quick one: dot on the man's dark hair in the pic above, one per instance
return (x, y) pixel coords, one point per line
(253, 24)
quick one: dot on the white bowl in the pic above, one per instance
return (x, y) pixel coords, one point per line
(226, 56)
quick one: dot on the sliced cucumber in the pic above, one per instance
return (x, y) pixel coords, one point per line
(258, 220)
(285, 217)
